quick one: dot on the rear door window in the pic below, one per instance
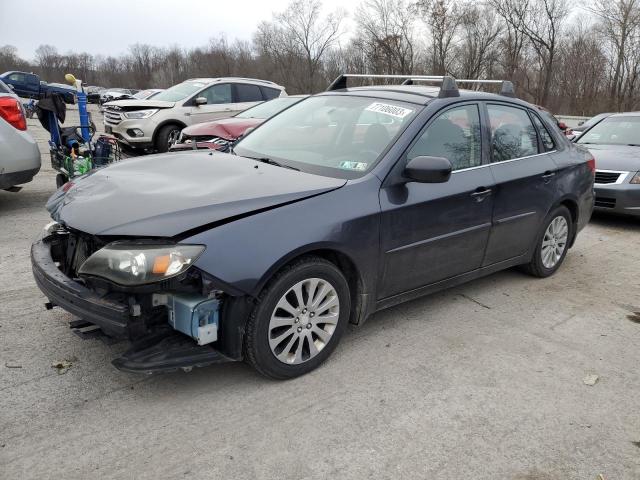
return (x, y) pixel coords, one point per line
(512, 133)
(247, 93)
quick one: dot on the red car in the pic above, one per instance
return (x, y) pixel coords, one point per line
(220, 134)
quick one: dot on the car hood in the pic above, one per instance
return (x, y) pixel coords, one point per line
(615, 157)
(168, 194)
(227, 128)
(136, 104)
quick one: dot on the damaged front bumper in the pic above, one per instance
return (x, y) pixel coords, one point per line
(160, 347)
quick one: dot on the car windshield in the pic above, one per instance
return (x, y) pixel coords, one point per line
(270, 108)
(332, 135)
(141, 95)
(180, 91)
(623, 130)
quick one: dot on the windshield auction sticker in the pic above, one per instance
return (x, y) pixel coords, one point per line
(360, 166)
(393, 110)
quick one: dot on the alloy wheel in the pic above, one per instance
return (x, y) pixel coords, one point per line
(303, 321)
(554, 241)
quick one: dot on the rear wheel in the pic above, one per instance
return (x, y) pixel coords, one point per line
(553, 243)
(165, 136)
(61, 179)
(298, 319)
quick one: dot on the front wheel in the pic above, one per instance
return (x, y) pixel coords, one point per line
(298, 319)
(553, 243)
(165, 136)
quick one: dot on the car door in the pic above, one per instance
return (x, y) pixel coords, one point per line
(219, 104)
(524, 174)
(434, 231)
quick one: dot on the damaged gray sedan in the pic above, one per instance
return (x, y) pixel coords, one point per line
(346, 203)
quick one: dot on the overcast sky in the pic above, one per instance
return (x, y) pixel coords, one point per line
(110, 26)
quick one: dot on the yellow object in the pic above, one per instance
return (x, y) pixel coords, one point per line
(69, 77)
(161, 264)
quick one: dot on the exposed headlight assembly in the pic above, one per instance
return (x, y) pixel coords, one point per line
(132, 264)
(636, 179)
(140, 113)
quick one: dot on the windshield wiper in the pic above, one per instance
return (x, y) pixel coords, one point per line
(270, 161)
(633, 144)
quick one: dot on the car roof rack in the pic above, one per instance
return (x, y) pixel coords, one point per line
(506, 87)
(448, 87)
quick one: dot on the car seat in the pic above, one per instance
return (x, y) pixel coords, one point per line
(444, 139)
(506, 143)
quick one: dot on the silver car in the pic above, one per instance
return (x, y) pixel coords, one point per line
(19, 153)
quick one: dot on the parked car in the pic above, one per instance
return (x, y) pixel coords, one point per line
(93, 94)
(615, 144)
(346, 203)
(147, 94)
(111, 94)
(29, 85)
(220, 134)
(19, 153)
(563, 127)
(584, 126)
(154, 124)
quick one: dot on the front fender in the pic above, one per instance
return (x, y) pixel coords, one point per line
(245, 253)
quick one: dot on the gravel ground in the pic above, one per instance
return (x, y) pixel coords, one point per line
(483, 381)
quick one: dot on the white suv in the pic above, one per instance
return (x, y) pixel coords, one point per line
(153, 124)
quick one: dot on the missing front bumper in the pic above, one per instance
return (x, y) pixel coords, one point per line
(167, 353)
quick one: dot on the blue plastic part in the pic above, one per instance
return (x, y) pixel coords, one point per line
(194, 316)
(84, 116)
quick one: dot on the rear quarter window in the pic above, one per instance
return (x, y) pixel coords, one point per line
(545, 136)
(270, 93)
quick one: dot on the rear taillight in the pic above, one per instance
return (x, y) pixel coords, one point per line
(591, 163)
(11, 111)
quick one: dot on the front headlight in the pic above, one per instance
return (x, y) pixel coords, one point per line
(636, 179)
(140, 113)
(137, 264)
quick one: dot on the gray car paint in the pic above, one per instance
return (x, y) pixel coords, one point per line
(166, 195)
(254, 223)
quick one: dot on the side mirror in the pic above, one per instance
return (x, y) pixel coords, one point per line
(200, 101)
(428, 170)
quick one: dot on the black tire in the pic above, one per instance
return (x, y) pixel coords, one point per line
(258, 352)
(536, 266)
(162, 140)
(61, 179)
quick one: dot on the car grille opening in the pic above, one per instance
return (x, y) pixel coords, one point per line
(607, 177)
(111, 117)
(605, 202)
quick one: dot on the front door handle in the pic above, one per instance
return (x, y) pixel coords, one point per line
(547, 176)
(481, 193)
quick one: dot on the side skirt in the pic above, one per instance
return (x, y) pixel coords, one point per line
(450, 282)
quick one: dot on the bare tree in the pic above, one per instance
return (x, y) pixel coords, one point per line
(385, 35)
(443, 17)
(480, 31)
(619, 21)
(541, 22)
(300, 36)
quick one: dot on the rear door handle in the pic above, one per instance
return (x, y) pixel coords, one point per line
(546, 176)
(481, 193)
